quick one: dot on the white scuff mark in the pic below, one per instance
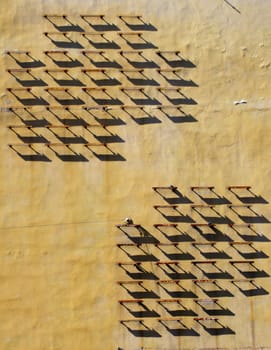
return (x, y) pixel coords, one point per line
(128, 221)
(240, 102)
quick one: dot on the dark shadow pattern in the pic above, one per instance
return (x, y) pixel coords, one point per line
(212, 251)
(138, 234)
(102, 97)
(213, 308)
(139, 77)
(176, 254)
(106, 154)
(101, 42)
(215, 275)
(177, 97)
(174, 271)
(64, 41)
(176, 290)
(27, 98)
(173, 233)
(249, 288)
(66, 79)
(99, 23)
(63, 24)
(172, 195)
(34, 137)
(212, 289)
(101, 77)
(106, 56)
(214, 327)
(63, 59)
(137, 271)
(138, 309)
(210, 214)
(25, 60)
(100, 59)
(248, 269)
(176, 309)
(180, 329)
(137, 253)
(175, 60)
(211, 233)
(245, 195)
(248, 214)
(136, 41)
(65, 97)
(211, 270)
(139, 291)
(172, 214)
(141, 331)
(138, 60)
(35, 156)
(248, 251)
(210, 196)
(173, 77)
(143, 117)
(176, 114)
(26, 78)
(69, 156)
(137, 23)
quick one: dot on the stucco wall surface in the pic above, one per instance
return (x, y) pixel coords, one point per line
(58, 248)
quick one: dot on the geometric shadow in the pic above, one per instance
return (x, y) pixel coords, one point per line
(180, 329)
(141, 330)
(213, 326)
(177, 291)
(137, 290)
(249, 288)
(173, 233)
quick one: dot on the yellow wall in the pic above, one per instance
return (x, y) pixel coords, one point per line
(58, 250)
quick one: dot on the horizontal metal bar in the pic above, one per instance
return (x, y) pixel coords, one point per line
(82, 16)
(242, 262)
(57, 89)
(167, 263)
(124, 52)
(240, 225)
(204, 262)
(165, 225)
(174, 206)
(19, 89)
(131, 301)
(56, 70)
(201, 206)
(238, 187)
(205, 225)
(204, 243)
(128, 263)
(19, 52)
(167, 88)
(241, 243)
(130, 16)
(130, 33)
(55, 51)
(130, 282)
(54, 15)
(164, 187)
(240, 206)
(128, 225)
(176, 281)
(204, 281)
(18, 70)
(167, 52)
(202, 187)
